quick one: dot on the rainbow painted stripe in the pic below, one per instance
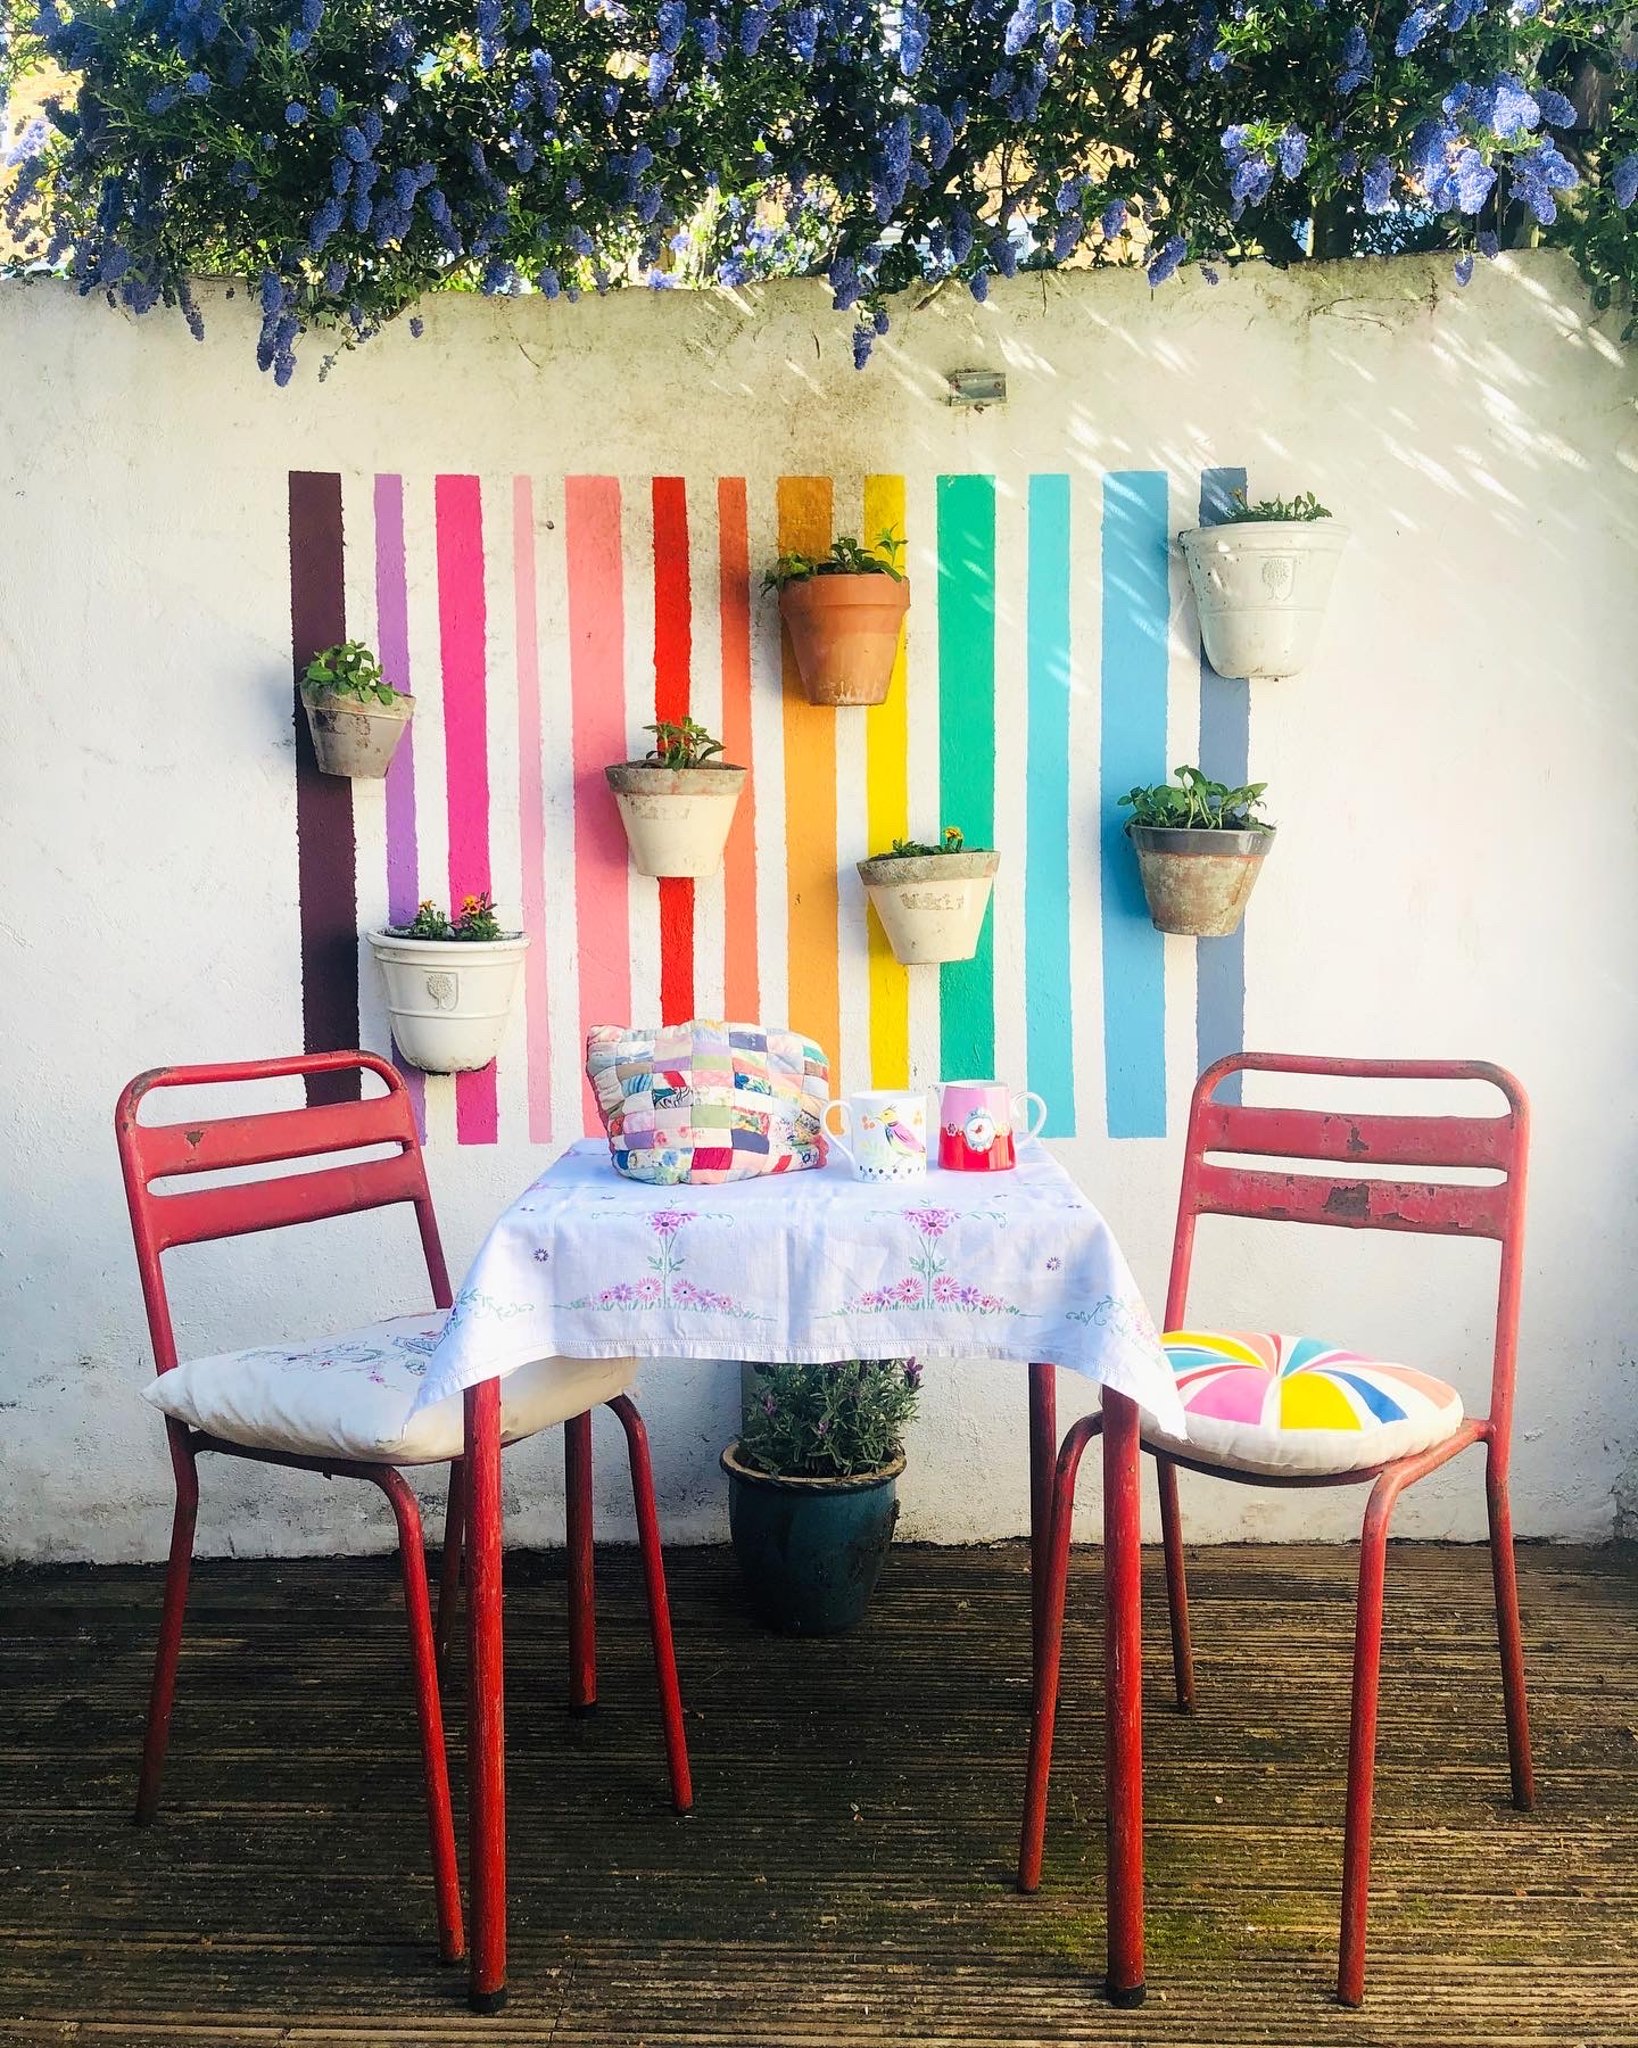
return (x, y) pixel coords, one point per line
(542, 622)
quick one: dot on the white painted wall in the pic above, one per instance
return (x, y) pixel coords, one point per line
(1457, 872)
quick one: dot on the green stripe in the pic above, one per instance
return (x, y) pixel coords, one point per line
(966, 748)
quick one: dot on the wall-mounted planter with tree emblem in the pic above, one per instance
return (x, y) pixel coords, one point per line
(450, 985)
(1261, 579)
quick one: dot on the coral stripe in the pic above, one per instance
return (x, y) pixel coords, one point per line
(804, 523)
(462, 628)
(966, 746)
(531, 812)
(740, 976)
(598, 716)
(392, 642)
(673, 645)
(887, 808)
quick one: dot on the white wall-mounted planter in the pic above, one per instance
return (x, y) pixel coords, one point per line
(677, 819)
(449, 999)
(351, 737)
(931, 905)
(1260, 588)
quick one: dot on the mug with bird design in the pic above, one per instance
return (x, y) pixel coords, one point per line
(888, 1127)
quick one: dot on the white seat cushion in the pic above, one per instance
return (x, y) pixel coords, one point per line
(1258, 1401)
(349, 1396)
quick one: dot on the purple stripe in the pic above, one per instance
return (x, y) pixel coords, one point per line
(392, 635)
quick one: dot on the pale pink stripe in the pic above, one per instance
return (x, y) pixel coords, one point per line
(392, 640)
(531, 812)
(461, 629)
(597, 685)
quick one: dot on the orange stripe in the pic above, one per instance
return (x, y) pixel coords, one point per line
(741, 995)
(804, 504)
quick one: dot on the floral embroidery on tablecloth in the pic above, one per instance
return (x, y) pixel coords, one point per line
(1122, 1318)
(407, 1350)
(665, 1286)
(929, 1284)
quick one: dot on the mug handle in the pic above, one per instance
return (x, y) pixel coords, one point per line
(1032, 1130)
(824, 1125)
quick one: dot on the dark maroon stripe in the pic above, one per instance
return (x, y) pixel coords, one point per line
(325, 847)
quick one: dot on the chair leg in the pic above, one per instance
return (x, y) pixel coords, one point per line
(449, 1568)
(659, 1605)
(162, 1692)
(1049, 1657)
(446, 1877)
(1356, 1844)
(577, 1491)
(1510, 1637)
(1177, 1585)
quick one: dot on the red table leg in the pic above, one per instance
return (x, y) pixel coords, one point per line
(1043, 1464)
(485, 1694)
(577, 1474)
(1123, 1696)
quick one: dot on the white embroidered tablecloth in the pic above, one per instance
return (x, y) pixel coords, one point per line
(804, 1268)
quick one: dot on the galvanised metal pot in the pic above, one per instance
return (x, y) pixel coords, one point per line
(1197, 883)
(811, 1550)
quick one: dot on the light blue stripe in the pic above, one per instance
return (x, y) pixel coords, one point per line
(1136, 601)
(1225, 748)
(1049, 1016)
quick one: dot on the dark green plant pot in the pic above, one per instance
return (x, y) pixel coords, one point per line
(811, 1549)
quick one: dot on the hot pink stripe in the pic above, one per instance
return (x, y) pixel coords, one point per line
(531, 812)
(461, 629)
(392, 639)
(597, 684)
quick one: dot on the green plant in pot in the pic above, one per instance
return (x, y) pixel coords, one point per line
(931, 896)
(844, 612)
(1200, 848)
(677, 804)
(812, 1487)
(1262, 575)
(355, 715)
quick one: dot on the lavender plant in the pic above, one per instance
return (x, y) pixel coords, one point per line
(347, 156)
(829, 1421)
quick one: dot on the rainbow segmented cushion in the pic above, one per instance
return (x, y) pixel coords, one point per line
(708, 1101)
(1261, 1402)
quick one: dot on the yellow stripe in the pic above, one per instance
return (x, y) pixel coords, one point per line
(813, 938)
(887, 803)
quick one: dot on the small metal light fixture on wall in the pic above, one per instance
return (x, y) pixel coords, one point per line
(978, 388)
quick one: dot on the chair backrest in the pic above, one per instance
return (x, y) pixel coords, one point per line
(1342, 1140)
(154, 1152)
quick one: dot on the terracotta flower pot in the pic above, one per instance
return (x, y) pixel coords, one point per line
(1197, 883)
(677, 819)
(932, 904)
(356, 736)
(845, 634)
(1260, 588)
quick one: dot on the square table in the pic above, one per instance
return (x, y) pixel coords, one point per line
(806, 1268)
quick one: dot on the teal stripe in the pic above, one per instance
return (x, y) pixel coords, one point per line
(966, 748)
(1136, 602)
(1049, 1018)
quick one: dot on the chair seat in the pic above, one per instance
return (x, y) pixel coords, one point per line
(1262, 1402)
(349, 1396)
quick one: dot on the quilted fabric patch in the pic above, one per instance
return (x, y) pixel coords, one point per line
(1259, 1401)
(708, 1101)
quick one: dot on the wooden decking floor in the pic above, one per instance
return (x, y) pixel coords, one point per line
(844, 1877)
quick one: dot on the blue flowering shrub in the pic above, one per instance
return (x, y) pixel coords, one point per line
(344, 157)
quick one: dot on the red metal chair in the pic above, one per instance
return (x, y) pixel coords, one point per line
(151, 1154)
(1496, 1144)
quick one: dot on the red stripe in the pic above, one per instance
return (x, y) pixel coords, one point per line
(461, 629)
(326, 852)
(740, 976)
(673, 648)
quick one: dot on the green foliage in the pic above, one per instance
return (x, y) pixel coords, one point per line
(348, 670)
(1303, 507)
(829, 1421)
(685, 745)
(475, 921)
(848, 557)
(916, 849)
(1194, 803)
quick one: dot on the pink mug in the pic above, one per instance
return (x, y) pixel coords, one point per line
(975, 1125)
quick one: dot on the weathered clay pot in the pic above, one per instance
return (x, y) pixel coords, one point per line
(845, 634)
(931, 905)
(449, 999)
(1197, 884)
(353, 737)
(1260, 588)
(677, 819)
(811, 1550)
